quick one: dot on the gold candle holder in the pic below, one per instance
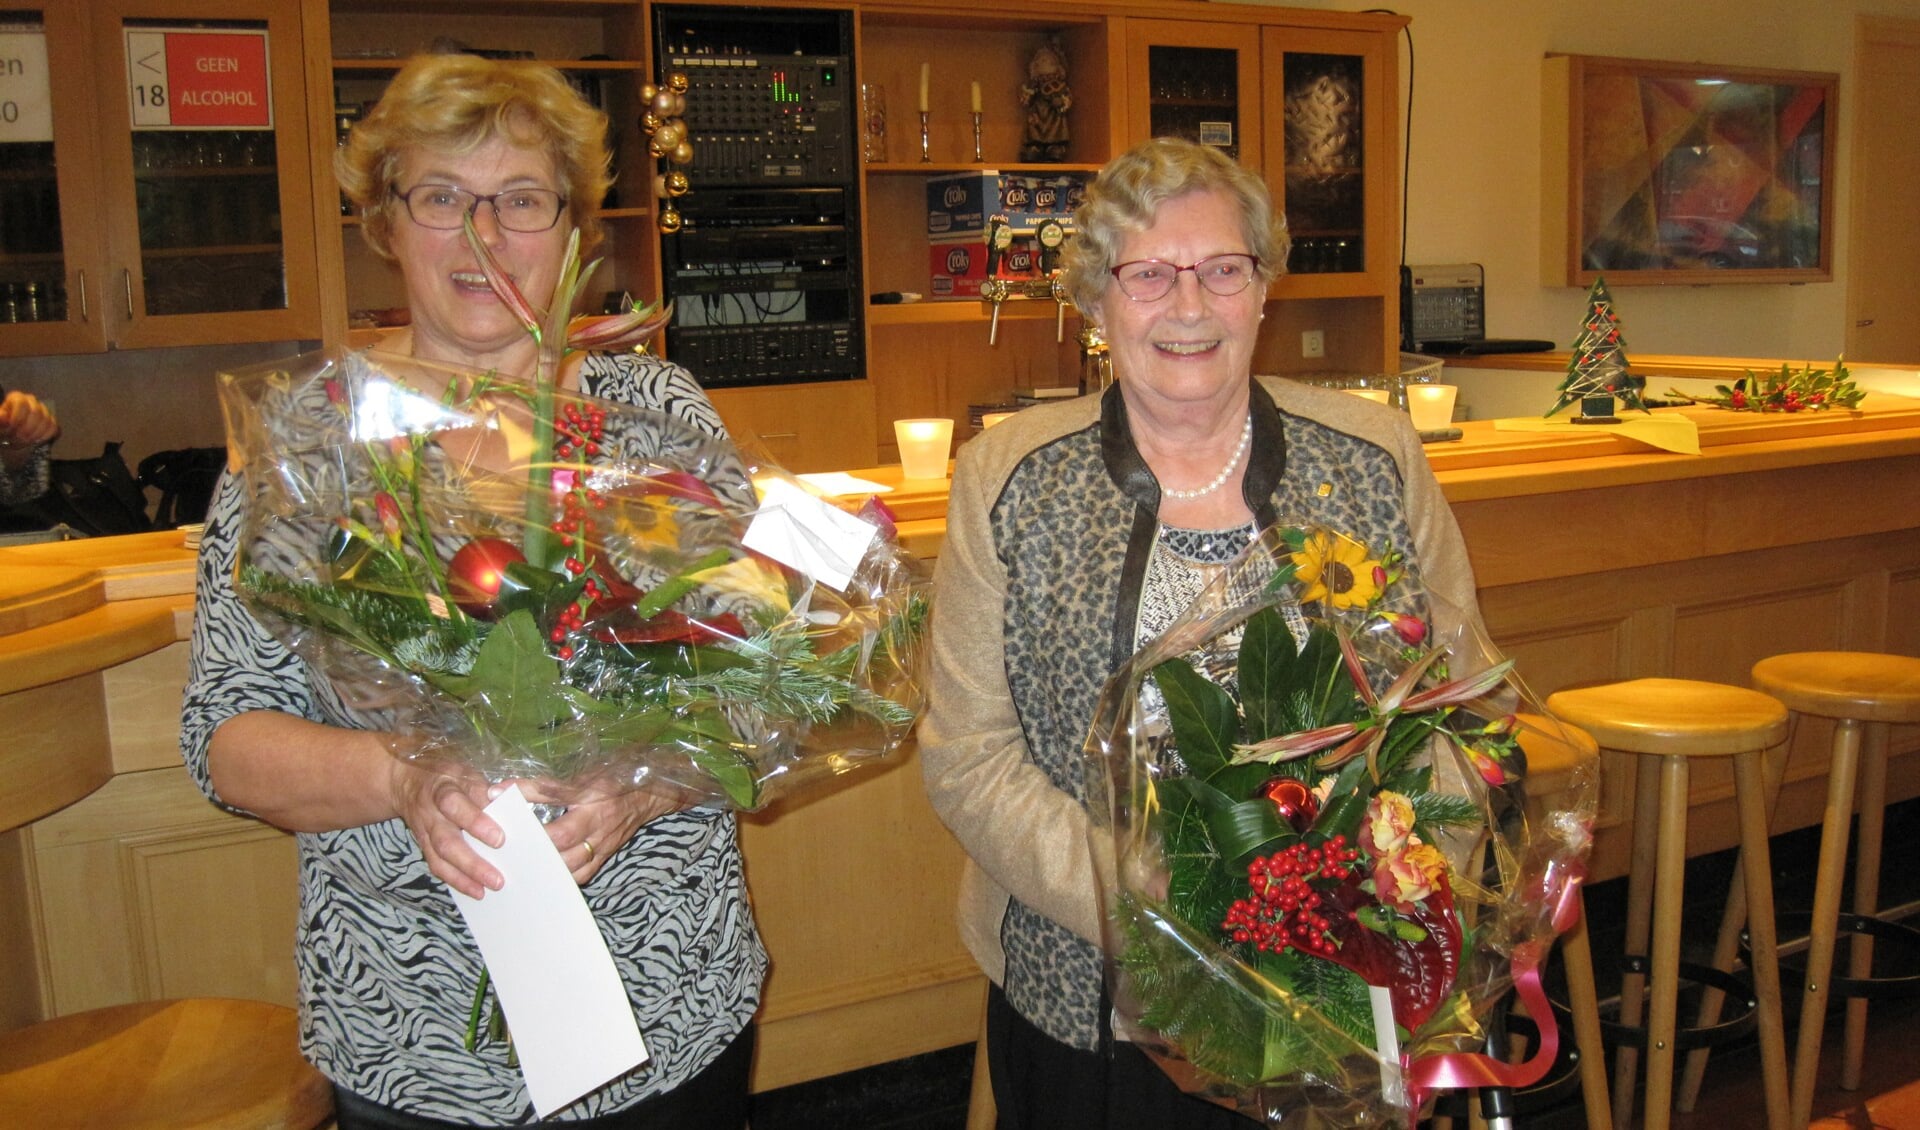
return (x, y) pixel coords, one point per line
(978, 156)
(926, 145)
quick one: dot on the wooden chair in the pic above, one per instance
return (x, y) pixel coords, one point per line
(1863, 693)
(204, 1063)
(1676, 721)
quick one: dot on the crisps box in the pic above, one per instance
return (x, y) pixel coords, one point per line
(956, 268)
(962, 203)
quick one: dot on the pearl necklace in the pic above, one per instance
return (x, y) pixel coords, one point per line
(1219, 480)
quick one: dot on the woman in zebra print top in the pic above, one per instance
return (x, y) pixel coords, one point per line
(386, 966)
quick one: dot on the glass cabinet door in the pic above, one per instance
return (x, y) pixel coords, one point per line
(1193, 93)
(47, 241)
(205, 170)
(1326, 120)
(1195, 80)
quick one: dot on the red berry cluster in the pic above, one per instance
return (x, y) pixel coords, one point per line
(1284, 910)
(573, 529)
(568, 621)
(578, 432)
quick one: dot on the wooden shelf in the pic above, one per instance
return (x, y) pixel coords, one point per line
(221, 250)
(953, 311)
(377, 66)
(940, 169)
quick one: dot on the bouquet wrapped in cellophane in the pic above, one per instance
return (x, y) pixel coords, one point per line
(530, 583)
(1322, 878)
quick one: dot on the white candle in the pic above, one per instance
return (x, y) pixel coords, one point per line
(1431, 406)
(926, 70)
(976, 98)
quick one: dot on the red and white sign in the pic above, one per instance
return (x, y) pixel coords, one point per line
(196, 78)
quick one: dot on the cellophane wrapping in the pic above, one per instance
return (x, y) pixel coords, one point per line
(584, 611)
(1298, 792)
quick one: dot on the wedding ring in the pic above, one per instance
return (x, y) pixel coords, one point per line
(588, 844)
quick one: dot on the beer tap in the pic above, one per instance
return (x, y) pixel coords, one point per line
(994, 291)
(1096, 365)
(995, 288)
(1057, 290)
(999, 238)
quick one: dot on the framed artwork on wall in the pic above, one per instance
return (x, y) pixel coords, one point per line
(1685, 173)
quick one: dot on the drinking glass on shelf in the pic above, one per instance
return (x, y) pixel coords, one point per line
(873, 122)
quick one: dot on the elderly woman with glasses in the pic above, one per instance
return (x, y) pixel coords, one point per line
(387, 970)
(1077, 532)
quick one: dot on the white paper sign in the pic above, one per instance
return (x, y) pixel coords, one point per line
(26, 89)
(1387, 1042)
(573, 1027)
(808, 533)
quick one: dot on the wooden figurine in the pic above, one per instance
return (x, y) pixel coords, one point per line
(1047, 99)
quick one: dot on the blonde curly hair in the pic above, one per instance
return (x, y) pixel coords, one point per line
(459, 103)
(1125, 197)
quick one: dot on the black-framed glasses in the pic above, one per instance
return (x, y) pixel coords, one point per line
(443, 207)
(1149, 280)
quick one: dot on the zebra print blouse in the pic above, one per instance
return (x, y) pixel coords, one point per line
(386, 967)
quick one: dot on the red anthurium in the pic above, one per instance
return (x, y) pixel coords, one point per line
(1417, 971)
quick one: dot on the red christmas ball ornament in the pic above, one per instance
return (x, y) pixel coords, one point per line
(478, 574)
(1294, 800)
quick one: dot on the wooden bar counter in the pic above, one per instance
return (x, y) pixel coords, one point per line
(1597, 558)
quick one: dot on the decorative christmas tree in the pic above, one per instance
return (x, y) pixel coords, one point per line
(1597, 371)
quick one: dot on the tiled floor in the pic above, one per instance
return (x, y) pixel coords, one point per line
(929, 1092)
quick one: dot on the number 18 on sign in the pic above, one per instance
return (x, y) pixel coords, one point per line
(198, 78)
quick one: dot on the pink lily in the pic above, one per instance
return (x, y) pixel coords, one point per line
(1356, 738)
(556, 332)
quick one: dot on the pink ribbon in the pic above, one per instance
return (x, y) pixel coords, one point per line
(1453, 1071)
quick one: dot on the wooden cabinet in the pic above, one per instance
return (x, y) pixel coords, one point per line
(1309, 102)
(802, 427)
(169, 201)
(1332, 160)
(1196, 80)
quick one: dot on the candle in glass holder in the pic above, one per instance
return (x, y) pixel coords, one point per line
(924, 445)
(1431, 406)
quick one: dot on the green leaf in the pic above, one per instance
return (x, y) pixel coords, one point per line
(517, 680)
(1268, 663)
(1205, 724)
(1328, 694)
(1348, 806)
(1237, 827)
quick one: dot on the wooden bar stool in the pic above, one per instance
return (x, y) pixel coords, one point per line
(1862, 692)
(204, 1063)
(1677, 720)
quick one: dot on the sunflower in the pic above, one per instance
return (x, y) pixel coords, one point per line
(1338, 571)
